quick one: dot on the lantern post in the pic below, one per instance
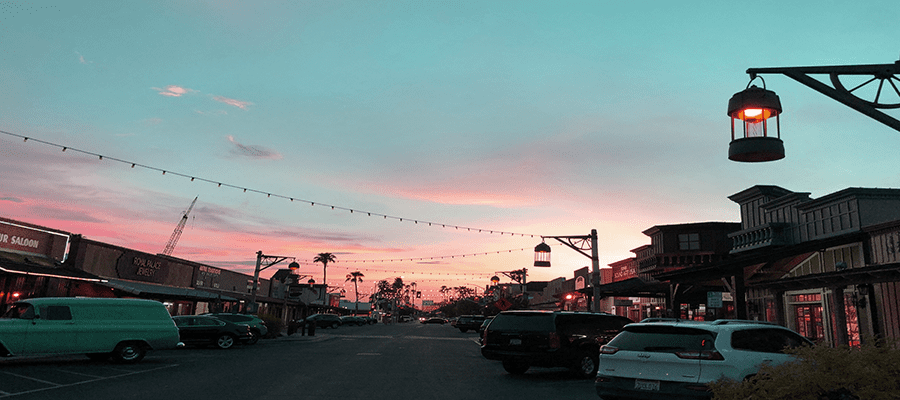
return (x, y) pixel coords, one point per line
(271, 260)
(581, 244)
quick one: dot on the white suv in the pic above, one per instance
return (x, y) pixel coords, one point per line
(660, 358)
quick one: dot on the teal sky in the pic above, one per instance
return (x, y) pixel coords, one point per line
(533, 117)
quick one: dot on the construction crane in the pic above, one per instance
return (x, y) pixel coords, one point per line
(178, 229)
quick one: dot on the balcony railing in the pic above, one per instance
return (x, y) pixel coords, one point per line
(773, 234)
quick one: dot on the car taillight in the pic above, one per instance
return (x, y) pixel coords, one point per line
(607, 349)
(553, 340)
(700, 355)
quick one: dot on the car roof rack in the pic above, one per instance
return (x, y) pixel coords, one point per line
(659, 319)
(741, 321)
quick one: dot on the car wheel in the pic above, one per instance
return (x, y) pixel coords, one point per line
(225, 341)
(515, 368)
(334, 325)
(254, 337)
(129, 352)
(586, 365)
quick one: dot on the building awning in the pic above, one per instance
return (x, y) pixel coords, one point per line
(634, 287)
(12, 263)
(854, 276)
(163, 291)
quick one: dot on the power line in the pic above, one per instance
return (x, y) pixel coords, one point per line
(271, 194)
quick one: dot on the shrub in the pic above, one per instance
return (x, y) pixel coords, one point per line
(870, 371)
(275, 325)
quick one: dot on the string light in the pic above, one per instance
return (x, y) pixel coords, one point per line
(312, 203)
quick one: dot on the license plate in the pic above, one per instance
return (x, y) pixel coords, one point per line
(515, 342)
(646, 385)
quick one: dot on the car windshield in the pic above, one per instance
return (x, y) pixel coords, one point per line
(524, 322)
(663, 339)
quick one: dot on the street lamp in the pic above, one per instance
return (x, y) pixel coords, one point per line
(542, 255)
(882, 85)
(753, 107)
(580, 244)
(260, 258)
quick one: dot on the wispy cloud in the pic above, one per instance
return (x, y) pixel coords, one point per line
(232, 102)
(213, 113)
(253, 151)
(82, 60)
(174, 91)
(12, 199)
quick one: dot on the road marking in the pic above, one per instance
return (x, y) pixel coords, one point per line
(32, 379)
(57, 386)
(396, 337)
(368, 354)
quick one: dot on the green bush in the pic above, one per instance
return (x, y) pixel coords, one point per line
(275, 325)
(870, 371)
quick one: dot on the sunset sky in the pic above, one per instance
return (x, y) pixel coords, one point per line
(431, 120)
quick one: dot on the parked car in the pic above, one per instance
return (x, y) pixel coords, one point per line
(469, 322)
(257, 326)
(533, 338)
(352, 320)
(325, 320)
(203, 330)
(434, 320)
(369, 320)
(484, 324)
(642, 361)
(124, 329)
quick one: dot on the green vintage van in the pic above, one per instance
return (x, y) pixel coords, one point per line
(124, 329)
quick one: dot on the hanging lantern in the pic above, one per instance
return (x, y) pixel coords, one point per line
(752, 108)
(311, 282)
(542, 255)
(294, 266)
(495, 280)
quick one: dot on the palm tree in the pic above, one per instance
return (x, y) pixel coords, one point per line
(355, 277)
(324, 258)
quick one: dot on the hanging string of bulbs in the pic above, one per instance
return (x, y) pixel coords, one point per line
(270, 194)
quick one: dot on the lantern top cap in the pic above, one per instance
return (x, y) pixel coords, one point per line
(754, 97)
(542, 247)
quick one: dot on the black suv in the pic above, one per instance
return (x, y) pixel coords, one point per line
(524, 339)
(467, 322)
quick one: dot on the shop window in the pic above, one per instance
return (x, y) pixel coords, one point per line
(852, 320)
(809, 321)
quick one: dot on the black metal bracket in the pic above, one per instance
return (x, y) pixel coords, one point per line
(884, 75)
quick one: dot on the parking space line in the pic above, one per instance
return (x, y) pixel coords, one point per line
(32, 379)
(57, 386)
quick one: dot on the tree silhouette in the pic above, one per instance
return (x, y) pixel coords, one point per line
(324, 258)
(355, 277)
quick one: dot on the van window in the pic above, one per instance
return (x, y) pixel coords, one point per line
(56, 313)
(20, 311)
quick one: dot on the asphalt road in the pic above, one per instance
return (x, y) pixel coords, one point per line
(398, 361)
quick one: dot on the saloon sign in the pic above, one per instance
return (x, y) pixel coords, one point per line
(19, 238)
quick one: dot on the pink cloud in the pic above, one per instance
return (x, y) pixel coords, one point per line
(173, 91)
(232, 102)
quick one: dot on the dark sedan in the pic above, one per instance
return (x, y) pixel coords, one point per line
(199, 330)
(325, 320)
(434, 320)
